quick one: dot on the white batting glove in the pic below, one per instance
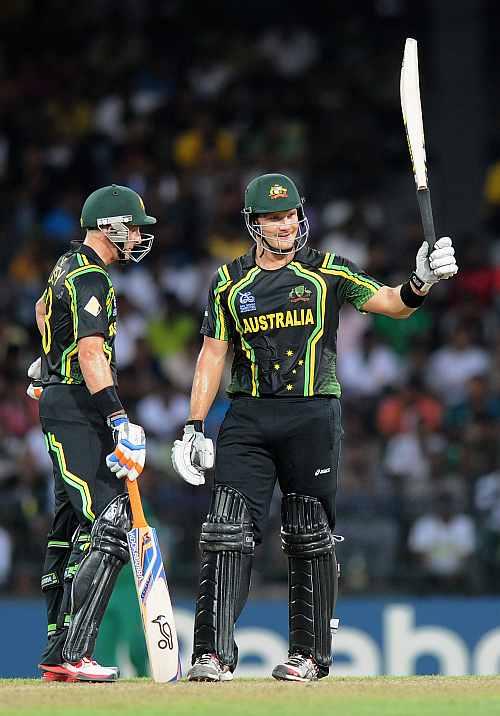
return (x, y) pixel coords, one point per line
(440, 264)
(192, 455)
(128, 457)
(34, 389)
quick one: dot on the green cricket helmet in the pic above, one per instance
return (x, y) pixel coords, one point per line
(267, 194)
(112, 209)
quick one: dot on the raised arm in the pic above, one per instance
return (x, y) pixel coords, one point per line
(403, 300)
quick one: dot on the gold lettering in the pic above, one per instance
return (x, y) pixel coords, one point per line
(309, 317)
(289, 319)
(246, 326)
(279, 320)
(55, 275)
(270, 317)
(254, 324)
(296, 319)
(263, 323)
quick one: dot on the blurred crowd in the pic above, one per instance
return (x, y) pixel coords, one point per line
(130, 93)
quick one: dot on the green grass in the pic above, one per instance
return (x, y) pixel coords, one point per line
(380, 696)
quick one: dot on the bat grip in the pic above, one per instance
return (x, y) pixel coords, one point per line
(138, 519)
(424, 204)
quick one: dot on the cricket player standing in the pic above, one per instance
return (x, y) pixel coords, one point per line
(279, 307)
(88, 435)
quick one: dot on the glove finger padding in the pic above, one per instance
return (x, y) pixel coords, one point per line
(35, 369)
(442, 261)
(446, 271)
(129, 456)
(442, 242)
(447, 251)
(181, 461)
(202, 453)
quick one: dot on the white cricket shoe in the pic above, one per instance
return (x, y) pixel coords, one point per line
(208, 667)
(297, 668)
(84, 670)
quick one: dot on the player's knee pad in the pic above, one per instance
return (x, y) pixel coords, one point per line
(310, 546)
(96, 577)
(227, 546)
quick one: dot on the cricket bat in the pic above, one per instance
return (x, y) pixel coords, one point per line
(152, 593)
(412, 117)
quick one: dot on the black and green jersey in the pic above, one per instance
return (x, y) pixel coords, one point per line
(283, 323)
(79, 301)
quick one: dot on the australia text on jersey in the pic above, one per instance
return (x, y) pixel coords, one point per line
(279, 319)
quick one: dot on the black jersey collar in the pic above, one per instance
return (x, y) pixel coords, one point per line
(92, 255)
(304, 256)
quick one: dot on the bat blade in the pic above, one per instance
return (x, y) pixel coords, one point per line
(412, 112)
(154, 603)
(411, 107)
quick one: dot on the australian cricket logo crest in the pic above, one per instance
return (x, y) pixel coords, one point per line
(300, 293)
(276, 191)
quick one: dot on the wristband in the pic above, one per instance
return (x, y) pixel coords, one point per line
(409, 297)
(198, 425)
(107, 402)
(416, 281)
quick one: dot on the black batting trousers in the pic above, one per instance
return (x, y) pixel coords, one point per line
(77, 441)
(295, 441)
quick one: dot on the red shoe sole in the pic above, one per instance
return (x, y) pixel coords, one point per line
(50, 676)
(58, 673)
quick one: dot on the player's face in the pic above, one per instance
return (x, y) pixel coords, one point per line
(134, 238)
(280, 228)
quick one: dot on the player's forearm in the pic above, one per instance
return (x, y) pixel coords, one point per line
(95, 368)
(206, 383)
(40, 315)
(388, 302)
(398, 307)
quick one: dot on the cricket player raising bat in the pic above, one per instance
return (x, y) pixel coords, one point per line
(278, 306)
(94, 447)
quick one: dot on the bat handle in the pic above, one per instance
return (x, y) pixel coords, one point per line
(138, 519)
(425, 206)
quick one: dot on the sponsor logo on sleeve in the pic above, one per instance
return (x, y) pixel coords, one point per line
(93, 306)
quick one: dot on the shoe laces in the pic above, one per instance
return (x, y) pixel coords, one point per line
(300, 660)
(209, 659)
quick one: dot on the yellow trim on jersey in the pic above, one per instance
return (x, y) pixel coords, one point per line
(354, 279)
(47, 333)
(243, 283)
(310, 363)
(221, 332)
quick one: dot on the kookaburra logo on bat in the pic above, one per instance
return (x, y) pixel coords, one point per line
(165, 631)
